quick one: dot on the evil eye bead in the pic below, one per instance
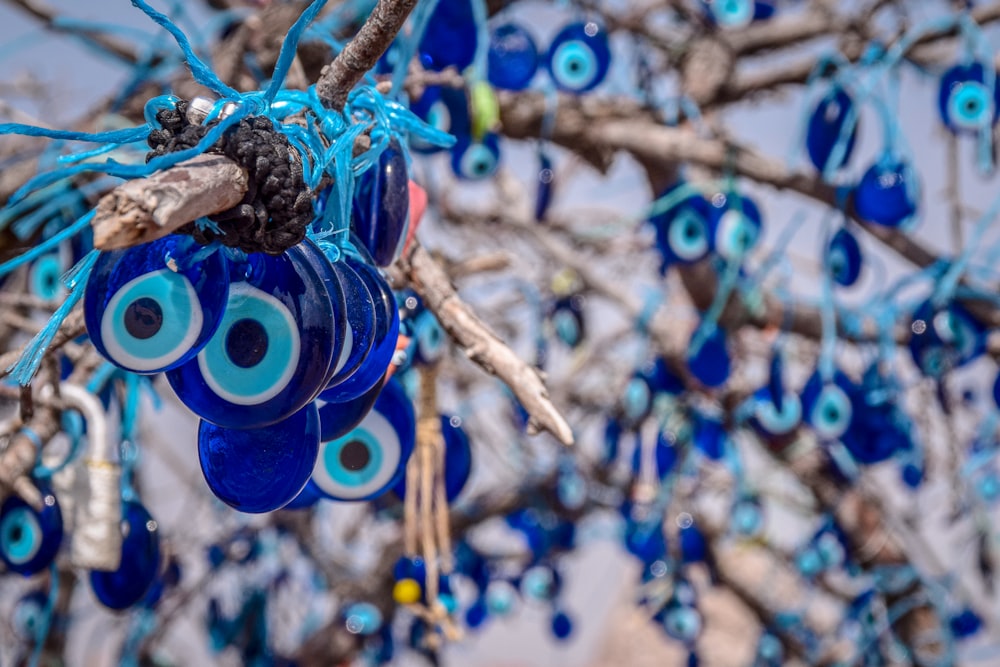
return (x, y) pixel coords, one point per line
(359, 335)
(386, 333)
(450, 36)
(738, 13)
(844, 258)
(887, 194)
(944, 338)
(430, 338)
(371, 458)
(828, 406)
(272, 352)
(683, 623)
(260, 470)
(338, 419)
(500, 597)
(153, 307)
(832, 128)
(29, 540)
(567, 320)
(711, 364)
(965, 102)
(735, 229)
(457, 459)
(747, 517)
(140, 561)
(476, 160)
(513, 57)
(579, 57)
(382, 205)
(29, 614)
(444, 109)
(562, 625)
(688, 236)
(771, 419)
(44, 276)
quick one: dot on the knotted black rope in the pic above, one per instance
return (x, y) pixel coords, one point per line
(277, 207)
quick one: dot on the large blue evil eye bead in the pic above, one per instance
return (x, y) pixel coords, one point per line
(965, 101)
(513, 57)
(386, 331)
(359, 335)
(457, 459)
(382, 205)
(735, 226)
(272, 352)
(445, 109)
(887, 194)
(833, 128)
(260, 470)
(29, 540)
(476, 160)
(844, 258)
(153, 307)
(371, 458)
(140, 563)
(579, 57)
(450, 36)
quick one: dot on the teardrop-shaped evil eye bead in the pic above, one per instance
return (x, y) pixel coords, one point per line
(382, 205)
(738, 13)
(579, 57)
(767, 417)
(445, 109)
(711, 364)
(844, 258)
(140, 562)
(155, 306)
(386, 333)
(833, 127)
(965, 101)
(476, 160)
(449, 39)
(371, 458)
(29, 539)
(263, 469)
(457, 459)
(513, 57)
(359, 335)
(735, 226)
(567, 320)
(682, 622)
(944, 338)
(829, 407)
(29, 615)
(887, 194)
(272, 352)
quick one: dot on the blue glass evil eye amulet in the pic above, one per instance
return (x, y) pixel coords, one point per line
(738, 13)
(844, 258)
(29, 539)
(513, 57)
(579, 57)
(476, 160)
(150, 308)
(140, 563)
(887, 194)
(371, 458)
(272, 352)
(382, 205)
(263, 469)
(965, 101)
(833, 128)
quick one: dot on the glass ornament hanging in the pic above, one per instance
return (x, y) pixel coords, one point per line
(140, 561)
(832, 130)
(513, 57)
(381, 205)
(30, 539)
(579, 57)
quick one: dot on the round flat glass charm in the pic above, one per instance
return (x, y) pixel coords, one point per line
(124, 587)
(260, 470)
(887, 194)
(476, 160)
(371, 458)
(711, 363)
(45, 274)
(360, 326)
(29, 540)
(579, 57)
(830, 407)
(382, 205)
(738, 13)
(735, 225)
(386, 330)
(273, 350)
(153, 307)
(844, 258)
(338, 419)
(965, 101)
(944, 339)
(29, 615)
(445, 109)
(682, 232)
(833, 127)
(457, 459)
(450, 36)
(513, 57)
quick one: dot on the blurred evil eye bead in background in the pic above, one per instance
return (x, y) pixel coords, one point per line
(153, 307)
(832, 130)
(843, 257)
(829, 407)
(450, 36)
(445, 109)
(736, 225)
(888, 193)
(682, 231)
(140, 561)
(475, 160)
(966, 100)
(579, 57)
(513, 57)
(567, 319)
(272, 352)
(30, 539)
(738, 13)
(371, 458)
(945, 338)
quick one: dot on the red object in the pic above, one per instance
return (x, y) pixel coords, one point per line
(418, 204)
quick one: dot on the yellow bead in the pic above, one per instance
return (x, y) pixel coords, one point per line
(406, 591)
